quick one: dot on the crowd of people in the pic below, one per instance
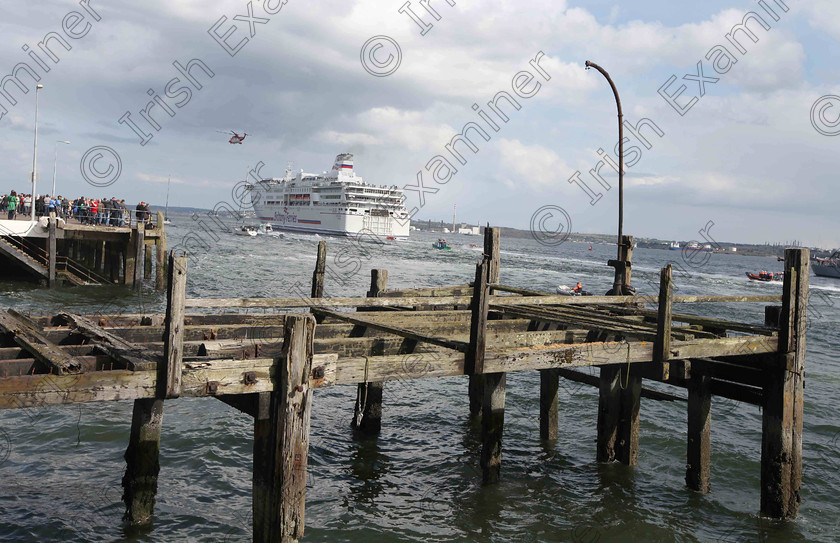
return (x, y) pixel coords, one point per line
(94, 211)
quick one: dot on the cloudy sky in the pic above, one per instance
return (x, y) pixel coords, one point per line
(745, 155)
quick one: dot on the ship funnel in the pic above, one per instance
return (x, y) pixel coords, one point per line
(343, 162)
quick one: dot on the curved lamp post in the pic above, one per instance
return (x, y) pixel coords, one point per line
(619, 263)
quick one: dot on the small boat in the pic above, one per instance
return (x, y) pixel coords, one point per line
(765, 276)
(441, 244)
(674, 246)
(590, 248)
(826, 267)
(265, 228)
(473, 245)
(247, 230)
(391, 238)
(569, 291)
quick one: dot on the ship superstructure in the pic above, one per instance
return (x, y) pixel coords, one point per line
(337, 202)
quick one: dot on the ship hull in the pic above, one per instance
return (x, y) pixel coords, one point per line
(826, 270)
(311, 220)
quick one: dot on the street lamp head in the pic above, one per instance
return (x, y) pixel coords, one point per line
(588, 64)
(39, 86)
(65, 142)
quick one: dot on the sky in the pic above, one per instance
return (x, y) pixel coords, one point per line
(750, 144)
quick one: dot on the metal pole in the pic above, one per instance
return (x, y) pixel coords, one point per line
(620, 152)
(35, 154)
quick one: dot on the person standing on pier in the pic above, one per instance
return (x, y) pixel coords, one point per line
(11, 205)
(27, 204)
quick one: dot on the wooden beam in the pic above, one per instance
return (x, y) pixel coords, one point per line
(549, 399)
(781, 438)
(138, 246)
(609, 411)
(41, 348)
(492, 426)
(280, 490)
(129, 355)
(173, 346)
(627, 444)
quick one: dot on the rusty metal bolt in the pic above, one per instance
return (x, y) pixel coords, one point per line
(258, 350)
(299, 388)
(249, 377)
(212, 387)
(214, 334)
(318, 373)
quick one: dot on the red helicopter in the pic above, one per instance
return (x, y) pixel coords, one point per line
(236, 139)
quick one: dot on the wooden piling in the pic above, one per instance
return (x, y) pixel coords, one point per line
(280, 486)
(142, 465)
(662, 345)
(619, 394)
(320, 268)
(549, 400)
(160, 254)
(781, 438)
(51, 253)
(492, 426)
(367, 416)
(474, 361)
(492, 247)
(139, 246)
(698, 464)
(147, 261)
(100, 262)
(169, 374)
(129, 251)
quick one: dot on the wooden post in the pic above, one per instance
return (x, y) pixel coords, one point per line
(100, 263)
(474, 360)
(619, 396)
(698, 465)
(492, 247)
(139, 246)
(142, 465)
(129, 251)
(169, 372)
(51, 249)
(662, 345)
(492, 426)
(160, 253)
(280, 486)
(549, 418)
(609, 410)
(367, 416)
(781, 437)
(320, 268)
(147, 261)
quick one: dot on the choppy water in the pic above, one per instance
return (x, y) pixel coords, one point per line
(61, 466)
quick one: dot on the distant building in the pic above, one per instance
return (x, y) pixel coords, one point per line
(470, 230)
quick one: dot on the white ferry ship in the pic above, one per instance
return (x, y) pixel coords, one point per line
(337, 202)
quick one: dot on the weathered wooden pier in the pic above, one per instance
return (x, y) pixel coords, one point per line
(78, 254)
(482, 330)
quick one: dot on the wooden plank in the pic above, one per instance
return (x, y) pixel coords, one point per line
(280, 490)
(698, 464)
(323, 302)
(402, 332)
(173, 337)
(142, 461)
(594, 380)
(129, 355)
(455, 290)
(783, 395)
(41, 348)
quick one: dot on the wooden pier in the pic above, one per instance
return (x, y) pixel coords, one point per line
(77, 254)
(481, 329)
